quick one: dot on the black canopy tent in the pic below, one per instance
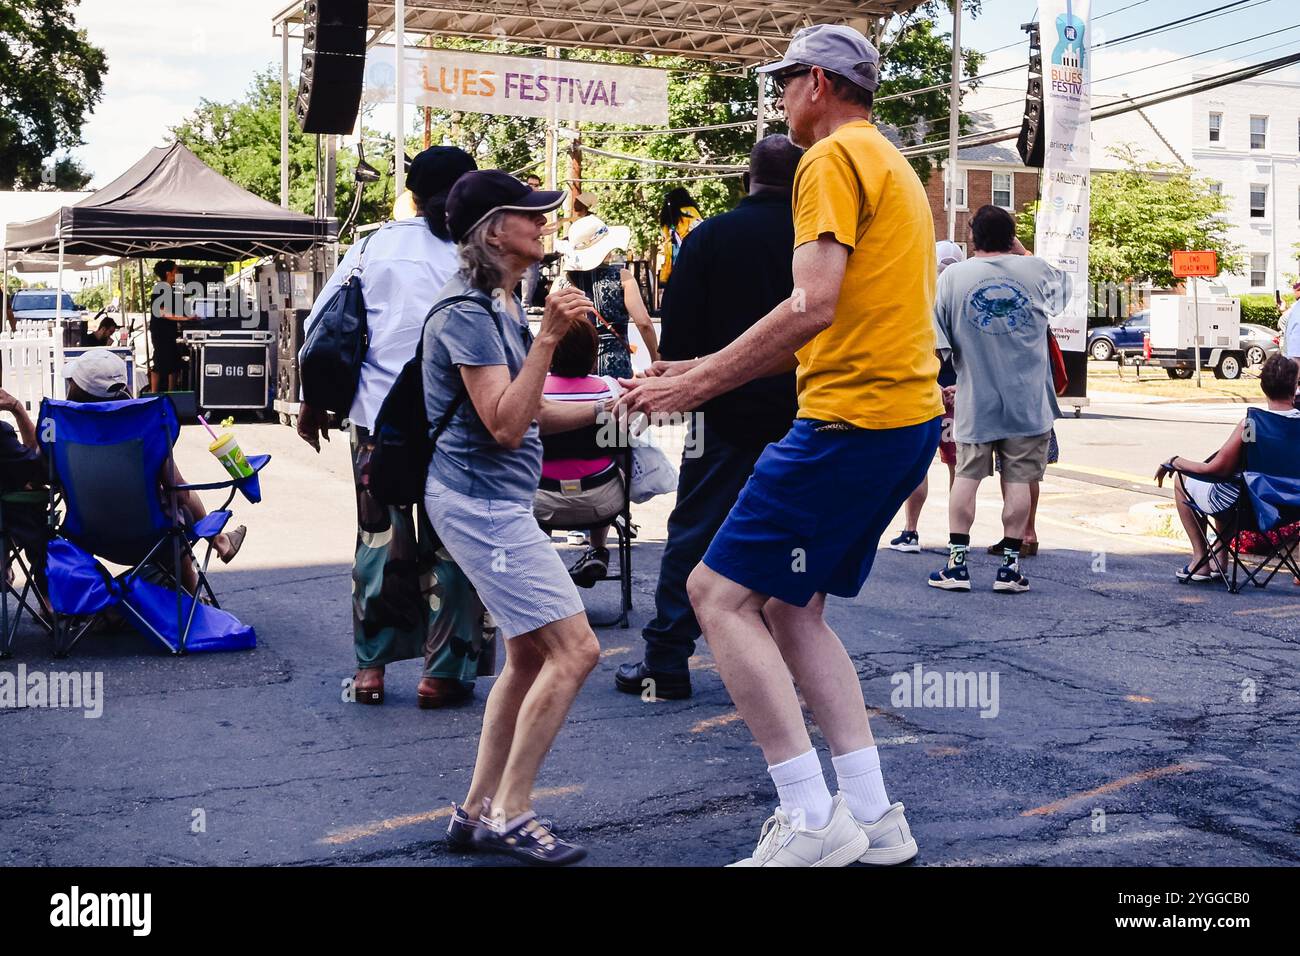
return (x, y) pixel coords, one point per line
(169, 204)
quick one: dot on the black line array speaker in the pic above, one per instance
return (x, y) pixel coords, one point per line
(1030, 141)
(333, 65)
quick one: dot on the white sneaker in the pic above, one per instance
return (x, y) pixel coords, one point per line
(890, 838)
(839, 843)
(576, 538)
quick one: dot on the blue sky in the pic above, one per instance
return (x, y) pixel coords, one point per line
(165, 55)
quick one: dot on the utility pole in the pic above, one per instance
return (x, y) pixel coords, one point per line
(954, 106)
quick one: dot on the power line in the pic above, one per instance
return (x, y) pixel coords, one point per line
(671, 179)
(1105, 112)
(712, 167)
(1141, 69)
(1211, 14)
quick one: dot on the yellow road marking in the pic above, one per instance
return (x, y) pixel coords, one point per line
(611, 651)
(942, 751)
(1143, 539)
(1137, 699)
(1280, 610)
(1105, 473)
(1111, 787)
(362, 830)
(712, 723)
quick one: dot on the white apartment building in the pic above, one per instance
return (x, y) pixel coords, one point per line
(1245, 138)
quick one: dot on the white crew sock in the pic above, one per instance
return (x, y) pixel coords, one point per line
(859, 779)
(802, 788)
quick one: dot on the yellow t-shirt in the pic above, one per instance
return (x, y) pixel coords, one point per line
(875, 366)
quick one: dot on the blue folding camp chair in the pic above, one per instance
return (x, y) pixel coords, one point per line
(1270, 500)
(111, 462)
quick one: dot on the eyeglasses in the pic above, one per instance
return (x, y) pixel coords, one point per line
(782, 79)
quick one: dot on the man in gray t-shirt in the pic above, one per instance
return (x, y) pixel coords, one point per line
(991, 317)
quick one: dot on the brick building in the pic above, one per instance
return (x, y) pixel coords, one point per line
(987, 175)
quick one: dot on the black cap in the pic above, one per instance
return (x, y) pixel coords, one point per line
(478, 194)
(436, 169)
(108, 321)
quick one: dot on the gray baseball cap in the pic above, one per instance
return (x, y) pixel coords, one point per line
(836, 49)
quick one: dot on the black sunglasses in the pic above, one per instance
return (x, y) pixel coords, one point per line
(781, 79)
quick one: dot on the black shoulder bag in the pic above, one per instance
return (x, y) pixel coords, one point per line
(329, 365)
(403, 444)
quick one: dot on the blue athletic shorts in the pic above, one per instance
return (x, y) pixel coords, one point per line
(809, 519)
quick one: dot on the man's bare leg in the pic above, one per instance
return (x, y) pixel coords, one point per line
(915, 502)
(750, 663)
(823, 671)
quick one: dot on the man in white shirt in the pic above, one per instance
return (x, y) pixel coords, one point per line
(1290, 326)
(402, 268)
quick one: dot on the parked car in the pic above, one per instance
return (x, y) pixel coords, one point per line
(40, 304)
(1106, 342)
(1259, 342)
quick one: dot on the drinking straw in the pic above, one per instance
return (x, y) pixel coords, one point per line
(205, 424)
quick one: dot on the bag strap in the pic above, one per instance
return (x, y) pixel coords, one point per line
(462, 393)
(361, 254)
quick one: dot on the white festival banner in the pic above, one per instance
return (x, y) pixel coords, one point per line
(1061, 233)
(568, 91)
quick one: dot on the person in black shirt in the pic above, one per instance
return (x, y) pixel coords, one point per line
(103, 335)
(165, 312)
(22, 468)
(730, 272)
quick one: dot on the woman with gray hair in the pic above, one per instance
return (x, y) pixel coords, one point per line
(483, 378)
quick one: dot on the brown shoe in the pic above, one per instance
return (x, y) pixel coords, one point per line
(368, 685)
(1029, 549)
(435, 692)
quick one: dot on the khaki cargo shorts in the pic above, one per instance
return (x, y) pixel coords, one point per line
(1023, 459)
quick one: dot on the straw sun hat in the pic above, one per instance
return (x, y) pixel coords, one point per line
(589, 242)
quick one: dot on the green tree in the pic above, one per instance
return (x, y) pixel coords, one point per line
(1142, 213)
(51, 78)
(241, 140)
(915, 57)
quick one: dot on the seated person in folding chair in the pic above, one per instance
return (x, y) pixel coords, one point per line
(100, 376)
(1214, 486)
(581, 483)
(22, 468)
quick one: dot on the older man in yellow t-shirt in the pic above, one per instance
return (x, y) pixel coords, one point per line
(859, 331)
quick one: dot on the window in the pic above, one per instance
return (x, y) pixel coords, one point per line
(1002, 190)
(1216, 188)
(961, 190)
(1258, 201)
(1216, 126)
(1259, 132)
(1258, 270)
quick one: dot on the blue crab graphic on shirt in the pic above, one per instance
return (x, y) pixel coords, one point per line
(999, 307)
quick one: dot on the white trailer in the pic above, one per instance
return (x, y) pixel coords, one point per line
(1183, 328)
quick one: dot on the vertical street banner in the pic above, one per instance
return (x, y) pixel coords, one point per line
(566, 91)
(1061, 234)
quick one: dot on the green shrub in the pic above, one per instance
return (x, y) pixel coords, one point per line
(1260, 309)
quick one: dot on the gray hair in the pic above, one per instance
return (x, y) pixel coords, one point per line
(480, 262)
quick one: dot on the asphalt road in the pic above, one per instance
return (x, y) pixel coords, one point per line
(1136, 721)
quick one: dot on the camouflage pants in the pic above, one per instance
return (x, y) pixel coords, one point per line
(409, 598)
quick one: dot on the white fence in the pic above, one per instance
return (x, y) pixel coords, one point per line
(31, 362)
